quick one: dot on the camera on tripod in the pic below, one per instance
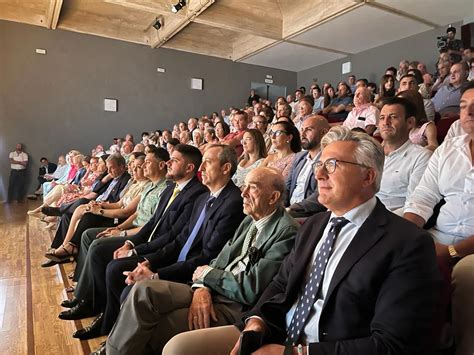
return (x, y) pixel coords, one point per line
(442, 43)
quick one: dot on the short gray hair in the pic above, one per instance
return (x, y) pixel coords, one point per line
(117, 158)
(368, 152)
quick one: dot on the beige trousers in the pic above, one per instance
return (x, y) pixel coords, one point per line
(154, 312)
(463, 305)
(211, 341)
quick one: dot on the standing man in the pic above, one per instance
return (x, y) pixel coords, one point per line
(18, 164)
(359, 280)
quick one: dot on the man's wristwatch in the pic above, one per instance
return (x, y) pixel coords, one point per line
(123, 234)
(453, 253)
(101, 211)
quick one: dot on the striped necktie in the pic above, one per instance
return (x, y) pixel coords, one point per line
(249, 238)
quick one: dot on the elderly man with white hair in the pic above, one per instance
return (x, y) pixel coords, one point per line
(364, 115)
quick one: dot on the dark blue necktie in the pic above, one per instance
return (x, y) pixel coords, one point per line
(194, 232)
(314, 282)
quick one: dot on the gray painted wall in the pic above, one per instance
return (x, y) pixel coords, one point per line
(54, 102)
(371, 64)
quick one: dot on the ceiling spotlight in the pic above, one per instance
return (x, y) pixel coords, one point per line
(178, 6)
(157, 24)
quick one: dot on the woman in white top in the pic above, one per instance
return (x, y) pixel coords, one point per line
(255, 151)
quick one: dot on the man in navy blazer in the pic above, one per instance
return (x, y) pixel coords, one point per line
(171, 215)
(199, 242)
(301, 184)
(359, 280)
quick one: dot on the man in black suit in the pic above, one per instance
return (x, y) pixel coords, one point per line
(359, 280)
(214, 219)
(171, 216)
(302, 199)
(106, 192)
(45, 168)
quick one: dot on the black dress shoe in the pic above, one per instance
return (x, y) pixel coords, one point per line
(92, 331)
(51, 211)
(70, 303)
(81, 310)
(49, 263)
(100, 350)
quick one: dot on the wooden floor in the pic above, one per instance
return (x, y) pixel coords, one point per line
(29, 294)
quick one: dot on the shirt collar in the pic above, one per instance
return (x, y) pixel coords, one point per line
(182, 185)
(263, 221)
(218, 192)
(359, 214)
(402, 149)
(159, 182)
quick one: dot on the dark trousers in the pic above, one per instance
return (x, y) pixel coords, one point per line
(86, 240)
(115, 283)
(17, 185)
(87, 221)
(91, 286)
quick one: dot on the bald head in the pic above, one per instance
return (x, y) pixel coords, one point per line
(262, 192)
(312, 130)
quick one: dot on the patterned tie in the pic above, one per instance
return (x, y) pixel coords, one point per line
(176, 191)
(252, 232)
(197, 227)
(314, 282)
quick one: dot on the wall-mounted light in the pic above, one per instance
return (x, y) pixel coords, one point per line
(157, 25)
(178, 6)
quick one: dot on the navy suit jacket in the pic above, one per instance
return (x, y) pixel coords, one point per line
(172, 220)
(219, 225)
(51, 169)
(381, 298)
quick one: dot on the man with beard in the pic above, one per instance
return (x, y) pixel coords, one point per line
(301, 184)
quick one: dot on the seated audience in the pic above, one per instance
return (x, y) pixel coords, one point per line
(305, 109)
(339, 106)
(215, 216)
(424, 132)
(446, 99)
(234, 139)
(455, 130)
(405, 162)
(364, 114)
(449, 177)
(254, 154)
(301, 184)
(386, 89)
(408, 82)
(318, 100)
(359, 280)
(95, 214)
(261, 123)
(329, 93)
(223, 290)
(46, 168)
(285, 142)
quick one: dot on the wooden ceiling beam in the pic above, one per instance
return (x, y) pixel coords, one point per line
(162, 7)
(174, 24)
(14, 12)
(52, 14)
(259, 18)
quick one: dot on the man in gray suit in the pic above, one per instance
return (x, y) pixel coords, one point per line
(302, 199)
(156, 310)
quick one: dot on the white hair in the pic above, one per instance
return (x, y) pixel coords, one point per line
(368, 152)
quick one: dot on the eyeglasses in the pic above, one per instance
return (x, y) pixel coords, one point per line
(277, 133)
(260, 122)
(330, 164)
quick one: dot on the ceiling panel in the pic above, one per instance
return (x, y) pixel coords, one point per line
(294, 57)
(441, 12)
(361, 29)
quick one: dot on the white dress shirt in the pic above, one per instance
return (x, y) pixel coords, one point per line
(362, 116)
(22, 156)
(402, 171)
(298, 192)
(455, 130)
(356, 217)
(449, 175)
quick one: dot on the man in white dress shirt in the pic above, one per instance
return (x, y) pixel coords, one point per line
(18, 163)
(450, 176)
(405, 162)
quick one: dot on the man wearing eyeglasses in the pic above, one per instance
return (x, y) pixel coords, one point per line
(302, 199)
(359, 280)
(260, 122)
(405, 162)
